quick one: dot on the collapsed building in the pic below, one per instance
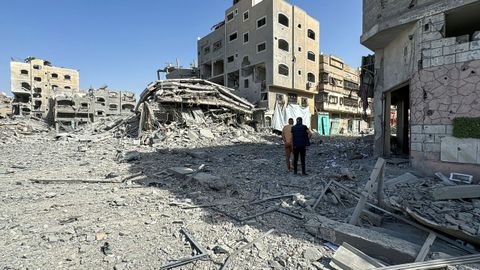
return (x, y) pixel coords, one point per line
(427, 71)
(5, 105)
(34, 81)
(71, 109)
(204, 109)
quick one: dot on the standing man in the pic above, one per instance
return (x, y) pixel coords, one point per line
(301, 139)
(287, 140)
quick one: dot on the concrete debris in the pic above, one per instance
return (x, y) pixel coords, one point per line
(5, 105)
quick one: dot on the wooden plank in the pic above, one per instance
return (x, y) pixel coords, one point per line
(380, 184)
(426, 248)
(349, 258)
(456, 192)
(321, 195)
(373, 218)
(435, 264)
(369, 187)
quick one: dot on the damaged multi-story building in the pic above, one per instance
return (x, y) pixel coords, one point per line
(5, 105)
(427, 70)
(338, 109)
(267, 50)
(71, 109)
(34, 81)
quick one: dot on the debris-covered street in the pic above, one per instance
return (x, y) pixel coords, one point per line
(82, 201)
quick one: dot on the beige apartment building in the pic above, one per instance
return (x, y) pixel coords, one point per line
(338, 109)
(34, 81)
(267, 50)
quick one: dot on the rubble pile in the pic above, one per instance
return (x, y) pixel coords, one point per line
(460, 218)
(194, 113)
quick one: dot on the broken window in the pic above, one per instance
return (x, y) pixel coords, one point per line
(264, 96)
(324, 77)
(461, 21)
(311, 56)
(67, 77)
(54, 87)
(37, 79)
(232, 37)
(26, 86)
(261, 47)
(37, 67)
(292, 98)
(113, 107)
(84, 105)
(68, 87)
(218, 67)
(100, 99)
(283, 70)
(245, 83)
(230, 16)
(245, 37)
(245, 15)
(217, 45)
(54, 75)
(311, 34)
(206, 50)
(24, 72)
(233, 79)
(283, 20)
(311, 77)
(333, 100)
(261, 22)
(350, 85)
(37, 92)
(283, 45)
(230, 59)
(304, 102)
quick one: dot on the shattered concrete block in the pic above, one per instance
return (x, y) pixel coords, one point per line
(206, 133)
(181, 172)
(373, 243)
(402, 179)
(211, 181)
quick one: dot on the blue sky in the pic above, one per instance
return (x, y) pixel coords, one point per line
(122, 43)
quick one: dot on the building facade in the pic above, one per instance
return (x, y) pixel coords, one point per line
(5, 105)
(427, 70)
(34, 81)
(338, 109)
(267, 50)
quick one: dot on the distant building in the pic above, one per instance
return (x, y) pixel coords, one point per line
(5, 105)
(338, 107)
(267, 50)
(427, 70)
(71, 109)
(34, 81)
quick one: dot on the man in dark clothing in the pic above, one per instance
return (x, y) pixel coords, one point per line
(301, 139)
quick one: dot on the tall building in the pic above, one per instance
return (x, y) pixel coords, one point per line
(337, 106)
(427, 70)
(267, 50)
(34, 81)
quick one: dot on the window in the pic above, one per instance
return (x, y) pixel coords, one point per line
(311, 77)
(292, 98)
(304, 102)
(311, 56)
(283, 70)
(299, 49)
(36, 67)
(54, 87)
(299, 72)
(283, 45)
(245, 37)
(113, 107)
(245, 83)
(68, 87)
(333, 100)
(299, 26)
(263, 96)
(206, 50)
(283, 20)
(230, 59)
(217, 45)
(261, 47)
(37, 79)
(280, 98)
(67, 77)
(324, 77)
(54, 75)
(230, 16)
(311, 34)
(246, 15)
(261, 22)
(350, 85)
(24, 72)
(232, 37)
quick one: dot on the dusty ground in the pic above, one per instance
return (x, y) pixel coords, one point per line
(66, 224)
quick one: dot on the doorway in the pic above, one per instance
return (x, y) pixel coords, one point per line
(397, 122)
